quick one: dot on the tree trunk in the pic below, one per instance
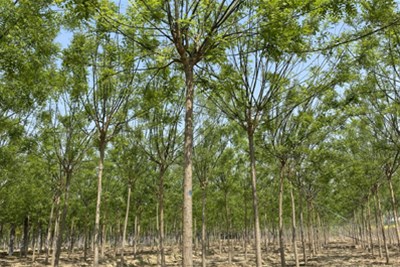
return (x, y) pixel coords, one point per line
(41, 238)
(98, 203)
(56, 234)
(103, 239)
(50, 228)
(228, 228)
(86, 244)
(294, 233)
(136, 235)
(364, 231)
(326, 233)
(195, 236)
(61, 222)
(394, 210)
(382, 227)
(1, 232)
(317, 233)
(310, 230)
(11, 241)
(187, 251)
(35, 239)
(377, 226)
(354, 231)
(303, 242)
(161, 219)
(281, 237)
(245, 227)
(203, 226)
(257, 234)
(265, 232)
(128, 202)
(71, 239)
(371, 241)
(25, 242)
(117, 237)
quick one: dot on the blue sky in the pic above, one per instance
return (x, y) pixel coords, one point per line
(64, 38)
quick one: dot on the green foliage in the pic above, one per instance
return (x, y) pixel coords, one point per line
(27, 54)
(329, 119)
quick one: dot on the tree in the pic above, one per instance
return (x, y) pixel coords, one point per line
(292, 135)
(190, 32)
(28, 50)
(379, 96)
(261, 72)
(64, 129)
(208, 150)
(26, 69)
(106, 96)
(161, 136)
(132, 165)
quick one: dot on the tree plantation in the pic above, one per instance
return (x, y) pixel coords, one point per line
(199, 133)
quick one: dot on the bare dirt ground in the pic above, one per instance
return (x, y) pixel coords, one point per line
(336, 253)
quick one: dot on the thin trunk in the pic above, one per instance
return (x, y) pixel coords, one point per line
(377, 225)
(310, 231)
(195, 236)
(382, 227)
(187, 251)
(71, 239)
(245, 227)
(303, 242)
(1, 232)
(220, 242)
(294, 233)
(85, 249)
(203, 226)
(161, 220)
(135, 237)
(229, 228)
(365, 228)
(274, 234)
(98, 203)
(314, 227)
(357, 229)
(41, 238)
(257, 234)
(103, 239)
(281, 237)
(139, 231)
(61, 222)
(25, 242)
(265, 233)
(371, 242)
(318, 233)
(35, 239)
(11, 241)
(49, 229)
(56, 236)
(128, 202)
(156, 235)
(117, 237)
(354, 232)
(394, 210)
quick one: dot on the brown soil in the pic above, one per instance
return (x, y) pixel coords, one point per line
(338, 253)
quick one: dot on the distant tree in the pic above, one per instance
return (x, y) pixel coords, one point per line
(211, 143)
(107, 95)
(160, 135)
(65, 133)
